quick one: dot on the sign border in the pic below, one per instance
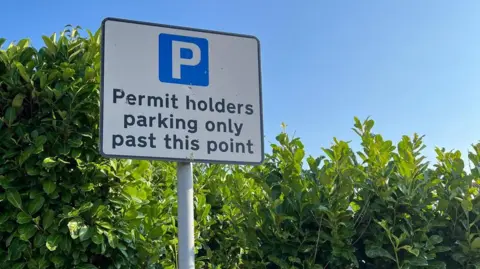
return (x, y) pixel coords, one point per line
(102, 90)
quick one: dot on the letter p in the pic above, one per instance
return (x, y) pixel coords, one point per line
(183, 60)
(178, 61)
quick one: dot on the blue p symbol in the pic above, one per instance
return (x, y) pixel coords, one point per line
(183, 60)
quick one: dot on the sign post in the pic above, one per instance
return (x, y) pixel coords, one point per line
(185, 215)
(180, 94)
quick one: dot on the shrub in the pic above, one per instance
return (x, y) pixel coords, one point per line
(64, 206)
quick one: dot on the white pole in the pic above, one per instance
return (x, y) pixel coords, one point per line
(185, 216)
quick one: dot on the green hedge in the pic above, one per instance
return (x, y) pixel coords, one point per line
(64, 206)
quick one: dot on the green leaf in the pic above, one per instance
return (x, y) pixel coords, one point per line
(75, 54)
(97, 239)
(39, 240)
(49, 187)
(329, 153)
(112, 239)
(23, 43)
(325, 179)
(66, 197)
(34, 193)
(3, 217)
(157, 232)
(74, 226)
(418, 261)
(279, 262)
(18, 100)
(13, 196)
(369, 124)
(52, 241)
(87, 187)
(299, 154)
(58, 260)
(377, 252)
(40, 140)
(89, 73)
(48, 219)
(68, 73)
(467, 205)
(66, 243)
(15, 249)
(23, 218)
(442, 205)
(458, 165)
(85, 233)
(131, 214)
(49, 163)
(439, 249)
(10, 115)
(435, 239)
(437, 265)
(32, 170)
(35, 204)
(22, 71)
(75, 143)
(476, 243)
(37, 220)
(32, 264)
(84, 207)
(24, 156)
(76, 152)
(136, 193)
(206, 210)
(295, 260)
(43, 79)
(19, 265)
(27, 231)
(52, 48)
(410, 249)
(64, 149)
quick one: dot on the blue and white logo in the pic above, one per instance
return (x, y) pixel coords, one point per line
(183, 60)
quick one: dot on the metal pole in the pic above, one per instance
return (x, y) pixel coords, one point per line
(185, 216)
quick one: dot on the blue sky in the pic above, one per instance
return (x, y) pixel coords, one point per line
(412, 66)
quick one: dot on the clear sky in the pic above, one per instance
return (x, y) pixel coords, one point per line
(413, 66)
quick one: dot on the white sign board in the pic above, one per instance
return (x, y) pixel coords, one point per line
(180, 94)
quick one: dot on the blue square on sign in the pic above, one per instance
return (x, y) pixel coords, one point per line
(183, 60)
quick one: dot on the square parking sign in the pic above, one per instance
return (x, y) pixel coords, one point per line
(180, 94)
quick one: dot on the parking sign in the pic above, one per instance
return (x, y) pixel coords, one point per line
(176, 93)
